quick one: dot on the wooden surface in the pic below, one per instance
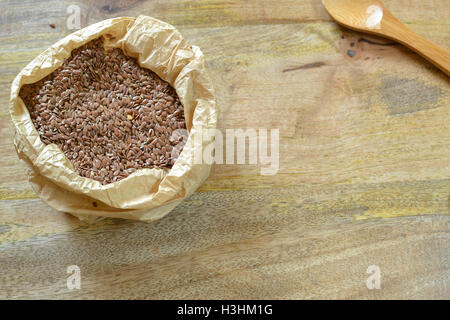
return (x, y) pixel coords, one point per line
(364, 174)
(371, 16)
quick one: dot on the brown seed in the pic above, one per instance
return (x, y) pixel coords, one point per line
(86, 107)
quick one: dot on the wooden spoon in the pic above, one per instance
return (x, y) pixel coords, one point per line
(371, 16)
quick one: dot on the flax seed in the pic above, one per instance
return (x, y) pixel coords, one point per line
(107, 114)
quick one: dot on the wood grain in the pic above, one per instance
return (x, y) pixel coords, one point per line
(353, 15)
(364, 175)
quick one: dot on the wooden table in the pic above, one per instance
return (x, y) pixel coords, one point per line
(364, 175)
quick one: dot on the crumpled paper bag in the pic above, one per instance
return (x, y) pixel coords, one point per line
(147, 194)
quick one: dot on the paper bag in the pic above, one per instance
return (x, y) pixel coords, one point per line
(147, 194)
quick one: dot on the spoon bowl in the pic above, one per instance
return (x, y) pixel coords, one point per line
(367, 15)
(371, 16)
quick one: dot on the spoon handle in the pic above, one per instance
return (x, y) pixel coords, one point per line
(427, 49)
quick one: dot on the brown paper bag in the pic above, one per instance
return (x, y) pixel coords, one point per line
(147, 194)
